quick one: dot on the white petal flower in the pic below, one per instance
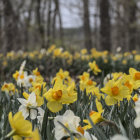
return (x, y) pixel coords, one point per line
(21, 79)
(69, 120)
(32, 100)
(29, 105)
(22, 101)
(28, 81)
(24, 110)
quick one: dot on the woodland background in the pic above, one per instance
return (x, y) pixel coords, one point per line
(35, 24)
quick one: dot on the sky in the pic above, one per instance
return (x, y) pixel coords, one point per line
(70, 16)
(71, 13)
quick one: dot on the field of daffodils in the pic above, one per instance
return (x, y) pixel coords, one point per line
(57, 95)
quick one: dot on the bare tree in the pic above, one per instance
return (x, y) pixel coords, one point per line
(86, 21)
(57, 15)
(39, 23)
(132, 24)
(9, 27)
(49, 12)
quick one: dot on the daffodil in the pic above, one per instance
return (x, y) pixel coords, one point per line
(29, 106)
(38, 77)
(63, 75)
(135, 74)
(20, 127)
(22, 77)
(9, 88)
(135, 78)
(38, 87)
(84, 77)
(96, 116)
(86, 82)
(70, 121)
(115, 91)
(39, 99)
(90, 86)
(130, 82)
(59, 95)
(94, 67)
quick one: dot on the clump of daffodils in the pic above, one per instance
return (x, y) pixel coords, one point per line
(60, 94)
(22, 77)
(86, 83)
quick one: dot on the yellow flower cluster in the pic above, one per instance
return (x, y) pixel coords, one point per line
(63, 91)
(121, 86)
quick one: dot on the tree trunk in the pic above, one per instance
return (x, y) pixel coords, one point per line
(27, 24)
(87, 29)
(39, 24)
(9, 25)
(49, 24)
(105, 25)
(132, 25)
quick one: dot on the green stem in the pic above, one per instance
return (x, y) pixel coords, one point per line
(10, 134)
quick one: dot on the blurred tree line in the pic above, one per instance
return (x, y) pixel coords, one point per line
(28, 24)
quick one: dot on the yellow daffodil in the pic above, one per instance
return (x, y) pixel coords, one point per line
(63, 75)
(115, 91)
(20, 127)
(58, 95)
(38, 87)
(9, 88)
(135, 74)
(96, 117)
(90, 86)
(117, 75)
(130, 82)
(38, 78)
(94, 67)
(15, 75)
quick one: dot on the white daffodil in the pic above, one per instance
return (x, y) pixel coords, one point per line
(28, 81)
(21, 79)
(119, 137)
(24, 79)
(69, 120)
(137, 109)
(29, 107)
